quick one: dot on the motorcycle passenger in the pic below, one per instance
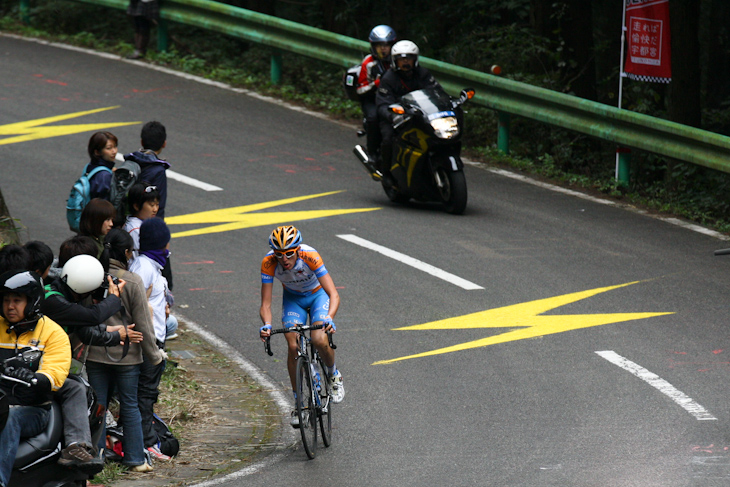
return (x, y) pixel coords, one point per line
(308, 292)
(373, 67)
(22, 327)
(404, 76)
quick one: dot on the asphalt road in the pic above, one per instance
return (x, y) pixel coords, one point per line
(498, 386)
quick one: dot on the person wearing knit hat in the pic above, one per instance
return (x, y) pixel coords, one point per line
(154, 243)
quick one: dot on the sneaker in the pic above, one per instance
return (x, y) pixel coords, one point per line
(155, 453)
(82, 457)
(294, 421)
(144, 468)
(171, 337)
(338, 388)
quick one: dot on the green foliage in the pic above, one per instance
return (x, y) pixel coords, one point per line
(470, 33)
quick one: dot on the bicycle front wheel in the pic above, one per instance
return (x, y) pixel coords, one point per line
(306, 408)
(325, 410)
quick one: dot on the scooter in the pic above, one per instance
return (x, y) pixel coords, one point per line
(35, 463)
(427, 162)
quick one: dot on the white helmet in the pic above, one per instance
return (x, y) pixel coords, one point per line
(83, 274)
(404, 49)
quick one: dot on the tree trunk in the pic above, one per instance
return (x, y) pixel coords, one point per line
(8, 232)
(578, 34)
(684, 90)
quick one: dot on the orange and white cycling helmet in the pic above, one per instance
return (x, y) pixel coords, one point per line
(285, 238)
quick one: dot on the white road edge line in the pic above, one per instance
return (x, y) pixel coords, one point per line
(692, 407)
(192, 182)
(421, 266)
(276, 393)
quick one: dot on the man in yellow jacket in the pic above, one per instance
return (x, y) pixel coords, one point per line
(22, 328)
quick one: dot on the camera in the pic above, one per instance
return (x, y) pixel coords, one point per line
(103, 290)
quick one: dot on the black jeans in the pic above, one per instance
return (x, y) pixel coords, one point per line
(148, 391)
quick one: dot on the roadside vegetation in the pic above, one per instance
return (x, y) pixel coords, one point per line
(533, 49)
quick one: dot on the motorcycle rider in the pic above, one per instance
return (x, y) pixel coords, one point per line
(22, 327)
(373, 67)
(404, 76)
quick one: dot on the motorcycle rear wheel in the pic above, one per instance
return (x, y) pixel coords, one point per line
(453, 192)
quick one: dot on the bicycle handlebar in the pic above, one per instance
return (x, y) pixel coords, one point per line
(296, 329)
(722, 252)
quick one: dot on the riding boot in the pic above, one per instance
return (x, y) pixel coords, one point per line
(385, 161)
(373, 140)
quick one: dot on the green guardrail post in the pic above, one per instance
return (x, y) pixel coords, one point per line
(25, 11)
(276, 67)
(623, 165)
(503, 120)
(163, 40)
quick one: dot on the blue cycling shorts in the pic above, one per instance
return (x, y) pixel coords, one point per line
(295, 309)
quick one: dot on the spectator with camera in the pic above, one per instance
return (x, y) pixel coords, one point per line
(68, 302)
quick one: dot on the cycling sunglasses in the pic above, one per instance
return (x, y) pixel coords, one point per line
(288, 254)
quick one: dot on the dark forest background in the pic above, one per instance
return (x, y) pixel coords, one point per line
(571, 46)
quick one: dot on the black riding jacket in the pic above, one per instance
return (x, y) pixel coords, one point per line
(395, 84)
(85, 321)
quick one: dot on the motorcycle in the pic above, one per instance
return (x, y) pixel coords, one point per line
(427, 162)
(35, 462)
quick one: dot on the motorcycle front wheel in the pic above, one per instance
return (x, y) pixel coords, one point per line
(393, 194)
(453, 190)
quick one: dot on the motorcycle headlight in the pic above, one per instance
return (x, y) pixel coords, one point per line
(446, 127)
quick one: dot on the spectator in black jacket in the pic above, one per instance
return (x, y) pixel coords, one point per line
(82, 275)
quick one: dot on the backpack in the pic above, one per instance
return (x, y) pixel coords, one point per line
(166, 442)
(125, 175)
(80, 196)
(349, 82)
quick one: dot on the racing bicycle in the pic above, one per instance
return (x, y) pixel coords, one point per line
(314, 394)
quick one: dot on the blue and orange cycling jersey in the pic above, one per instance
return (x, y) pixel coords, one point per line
(303, 278)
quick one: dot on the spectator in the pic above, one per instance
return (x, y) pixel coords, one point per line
(153, 139)
(154, 243)
(14, 257)
(144, 13)
(103, 152)
(111, 369)
(41, 258)
(96, 221)
(144, 202)
(81, 275)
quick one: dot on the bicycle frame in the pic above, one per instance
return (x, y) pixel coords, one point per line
(314, 406)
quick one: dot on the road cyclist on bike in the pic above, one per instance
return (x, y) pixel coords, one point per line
(308, 291)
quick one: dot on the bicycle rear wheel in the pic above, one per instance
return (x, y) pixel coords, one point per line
(306, 408)
(325, 411)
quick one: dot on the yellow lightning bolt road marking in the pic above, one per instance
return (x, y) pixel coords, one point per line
(241, 217)
(524, 315)
(34, 129)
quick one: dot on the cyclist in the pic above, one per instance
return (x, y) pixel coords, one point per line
(308, 291)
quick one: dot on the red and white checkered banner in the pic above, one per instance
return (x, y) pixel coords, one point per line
(648, 54)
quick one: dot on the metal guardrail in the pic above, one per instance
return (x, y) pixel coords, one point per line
(623, 127)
